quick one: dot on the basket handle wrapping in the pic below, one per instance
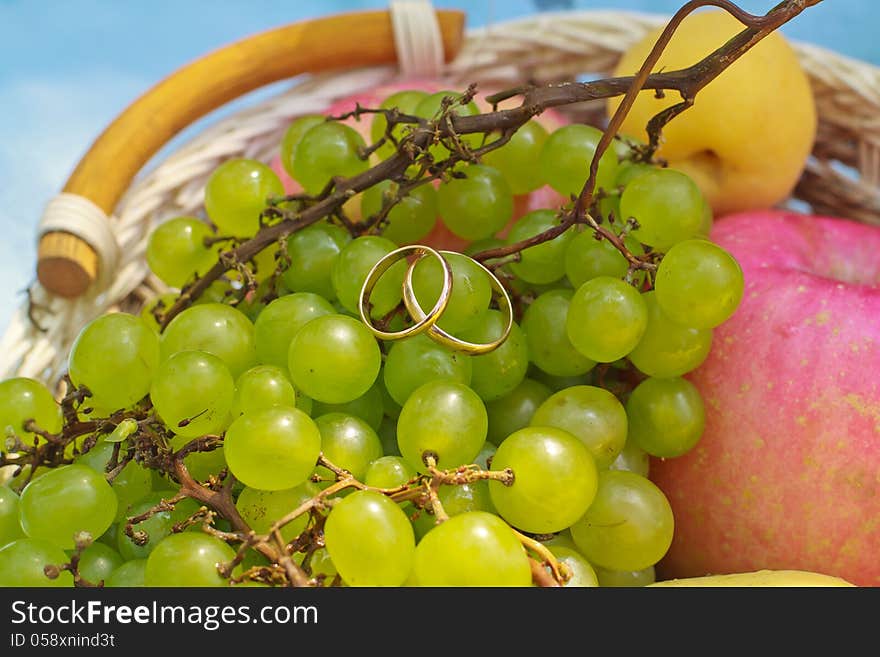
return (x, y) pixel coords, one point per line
(67, 264)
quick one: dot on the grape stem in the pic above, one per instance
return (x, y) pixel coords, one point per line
(81, 541)
(559, 572)
(140, 537)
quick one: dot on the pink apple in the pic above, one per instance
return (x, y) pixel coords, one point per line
(787, 473)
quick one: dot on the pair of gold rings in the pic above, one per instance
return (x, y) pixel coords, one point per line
(427, 322)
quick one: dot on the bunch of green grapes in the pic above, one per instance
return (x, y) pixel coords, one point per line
(296, 392)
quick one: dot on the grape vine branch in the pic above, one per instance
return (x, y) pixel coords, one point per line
(446, 128)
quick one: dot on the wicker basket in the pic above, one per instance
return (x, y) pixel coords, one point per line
(410, 40)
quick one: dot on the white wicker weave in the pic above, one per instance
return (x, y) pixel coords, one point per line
(546, 47)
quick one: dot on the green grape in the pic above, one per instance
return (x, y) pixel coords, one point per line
(322, 565)
(626, 578)
(516, 159)
(10, 528)
(65, 501)
(582, 573)
(334, 359)
(388, 472)
(698, 284)
(628, 526)
(565, 159)
(666, 416)
(417, 360)
(273, 448)
(549, 347)
(514, 410)
(237, 192)
(176, 250)
(325, 151)
(667, 204)
(130, 484)
(629, 171)
(411, 218)
(708, 220)
(590, 413)
(260, 509)
(387, 433)
(163, 302)
(217, 292)
(606, 319)
(500, 371)
(471, 549)
(97, 563)
(554, 479)
(128, 575)
(370, 540)
(156, 527)
(116, 357)
(281, 320)
(22, 563)
(464, 498)
(260, 387)
(369, 406)
(348, 442)
(216, 328)
(587, 258)
(23, 399)
(201, 465)
(667, 348)
(193, 393)
(292, 137)
(312, 252)
(633, 459)
(429, 108)
(470, 295)
(445, 418)
(477, 205)
(544, 263)
(351, 268)
(405, 102)
(187, 560)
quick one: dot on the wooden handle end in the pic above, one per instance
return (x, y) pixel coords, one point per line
(66, 265)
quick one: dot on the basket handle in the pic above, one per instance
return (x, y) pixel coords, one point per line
(67, 265)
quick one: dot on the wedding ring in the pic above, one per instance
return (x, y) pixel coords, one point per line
(439, 335)
(423, 322)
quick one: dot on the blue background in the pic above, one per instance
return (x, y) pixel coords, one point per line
(68, 67)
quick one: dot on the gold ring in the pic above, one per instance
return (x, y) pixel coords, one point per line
(439, 335)
(423, 322)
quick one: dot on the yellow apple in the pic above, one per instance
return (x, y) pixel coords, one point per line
(790, 578)
(748, 135)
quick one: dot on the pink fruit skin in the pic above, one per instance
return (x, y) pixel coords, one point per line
(787, 473)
